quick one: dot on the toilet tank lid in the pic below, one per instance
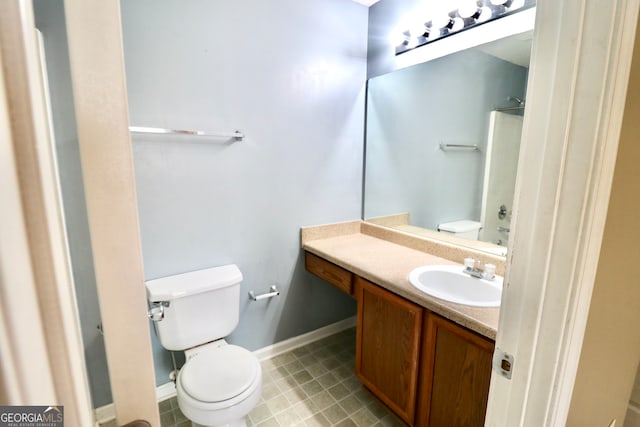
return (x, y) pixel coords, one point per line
(193, 282)
(459, 226)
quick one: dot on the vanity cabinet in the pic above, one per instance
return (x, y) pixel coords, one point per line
(388, 347)
(454, 376)
(429, 370)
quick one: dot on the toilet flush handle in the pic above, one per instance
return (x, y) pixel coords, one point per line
(156, 312)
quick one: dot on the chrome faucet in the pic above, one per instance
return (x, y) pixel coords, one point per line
(472, 268)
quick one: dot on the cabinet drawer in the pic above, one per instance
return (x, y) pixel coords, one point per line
(329, 272)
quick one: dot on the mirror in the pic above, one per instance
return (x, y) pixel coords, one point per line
(442, 144)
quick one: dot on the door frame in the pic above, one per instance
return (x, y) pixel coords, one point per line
(570, 140)
(96, 60)
(42, 354)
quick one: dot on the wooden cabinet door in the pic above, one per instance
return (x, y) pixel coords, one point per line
(455, 375)
(388, 347)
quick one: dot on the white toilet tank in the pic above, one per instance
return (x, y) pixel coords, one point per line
(204, 306)
(465, 228)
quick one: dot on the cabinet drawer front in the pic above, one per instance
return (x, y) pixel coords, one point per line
(329, 272)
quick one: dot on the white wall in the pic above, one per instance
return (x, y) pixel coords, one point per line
(290, 75)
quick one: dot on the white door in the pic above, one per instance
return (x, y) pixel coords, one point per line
(501, 164)
(576, 90)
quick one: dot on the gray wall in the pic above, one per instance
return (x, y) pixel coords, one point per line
(410, 112)
(290, 75)
(49, 16)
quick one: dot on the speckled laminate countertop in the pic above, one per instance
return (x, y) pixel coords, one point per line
(388, 264)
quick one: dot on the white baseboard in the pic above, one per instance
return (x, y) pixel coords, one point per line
(166, 391)
(104, 413)
(108, 412)
(304, 339)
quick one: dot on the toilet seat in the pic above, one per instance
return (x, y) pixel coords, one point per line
(229, 412)
(219, 377)
(220, 374)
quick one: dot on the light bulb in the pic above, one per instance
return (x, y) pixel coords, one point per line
(417, 30)
(434, 33)
(457, 24)
(485, 14)
(441, 20)
(468, 9)
(516, 4)
(412, 42)
(400, 39)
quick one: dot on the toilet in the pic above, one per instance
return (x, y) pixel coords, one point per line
(465, 228)
(220, 383)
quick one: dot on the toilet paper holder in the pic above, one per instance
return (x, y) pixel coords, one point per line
(273, 292)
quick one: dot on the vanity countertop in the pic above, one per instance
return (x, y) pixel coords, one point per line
(388, 264)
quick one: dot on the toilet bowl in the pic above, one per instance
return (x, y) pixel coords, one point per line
(219, 384)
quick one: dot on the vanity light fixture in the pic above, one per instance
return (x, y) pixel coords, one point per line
(443, 21)
(505, 3)
(474, 12)
(467, 14)
(509, 4)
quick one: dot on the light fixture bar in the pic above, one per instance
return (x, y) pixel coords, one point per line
(467, 15)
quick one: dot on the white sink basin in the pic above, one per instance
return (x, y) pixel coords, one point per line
(449, 283)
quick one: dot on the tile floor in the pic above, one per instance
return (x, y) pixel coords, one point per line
(314, 385)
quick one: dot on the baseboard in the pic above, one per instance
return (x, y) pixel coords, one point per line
(304, 339)
(166, 391)
(104, 414)
(107, 413)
